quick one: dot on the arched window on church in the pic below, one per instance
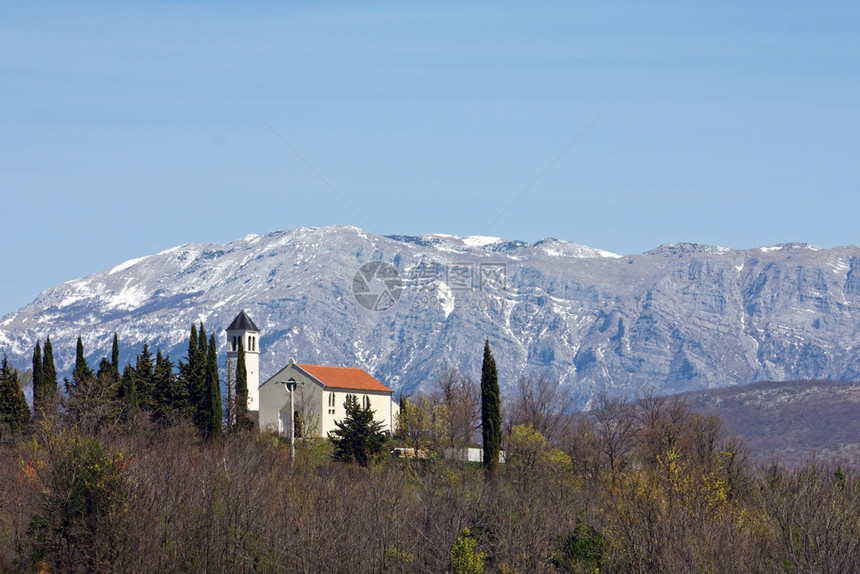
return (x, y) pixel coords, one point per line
(234, 342)
(365, 402)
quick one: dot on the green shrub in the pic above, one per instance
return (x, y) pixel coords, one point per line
(464, 558)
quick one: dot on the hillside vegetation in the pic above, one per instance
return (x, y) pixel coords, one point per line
(789, 421)
(636, 487)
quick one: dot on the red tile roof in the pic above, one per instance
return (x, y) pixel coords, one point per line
(344, 378)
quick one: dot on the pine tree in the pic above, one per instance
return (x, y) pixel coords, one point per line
(144, 379)
(110, 386)
(91, 398)
(49, 377)
(357, 437)
(106, 381)
(491, 413)
(128, 393)
(14, 412)
(38, 381)
(214, 409)
(104, 368)
(242, 419)
(170, 402)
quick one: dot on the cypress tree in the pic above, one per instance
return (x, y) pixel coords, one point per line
(199, 376)
(189, 374)
(14, 411)
(186, 369)
(49, 378)
(200, 406)
(108, 372)
(38, 380)
(82, 374)
(491, 413)
(214, 408)
(242, 420)
(114, 357)
(192, 342)
(201, 343)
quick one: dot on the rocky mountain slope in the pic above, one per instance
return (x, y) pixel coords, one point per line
(679, 317)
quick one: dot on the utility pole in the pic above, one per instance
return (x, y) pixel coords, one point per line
(290, 385)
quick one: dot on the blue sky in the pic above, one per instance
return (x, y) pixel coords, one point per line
(127, 128)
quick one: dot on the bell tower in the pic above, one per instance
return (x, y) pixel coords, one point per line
(243, 329)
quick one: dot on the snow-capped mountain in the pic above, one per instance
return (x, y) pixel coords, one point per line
(679, 317)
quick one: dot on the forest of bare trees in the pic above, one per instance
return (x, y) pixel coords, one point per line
(632, 486)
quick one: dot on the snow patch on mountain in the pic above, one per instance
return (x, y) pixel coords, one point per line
(479, 240)
(130, 297)
(127, 265)
(445, 298)
(558, 248)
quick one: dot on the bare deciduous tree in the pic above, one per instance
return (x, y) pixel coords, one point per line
(542, 403)
(615, 428)
(462, 399)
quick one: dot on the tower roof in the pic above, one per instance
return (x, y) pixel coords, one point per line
(243, 323)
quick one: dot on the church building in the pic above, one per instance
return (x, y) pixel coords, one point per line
(320, 391)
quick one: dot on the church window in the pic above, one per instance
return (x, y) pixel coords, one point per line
(365, 402)
(234, 342)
